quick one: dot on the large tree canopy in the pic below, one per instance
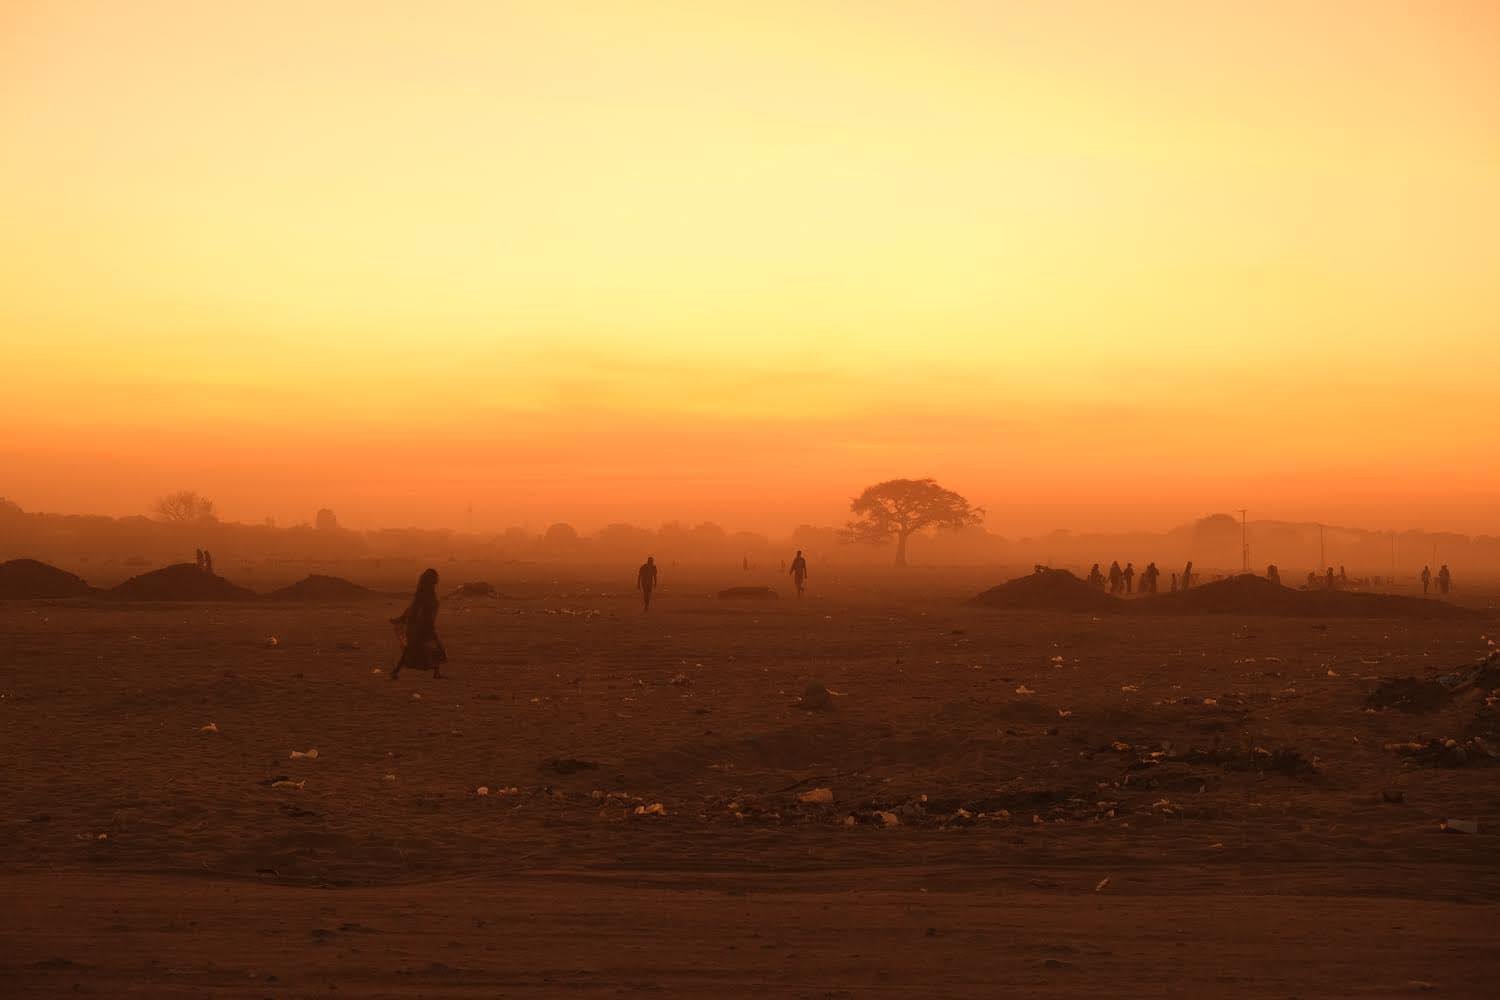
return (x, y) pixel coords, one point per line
(184, 506)
(898, 507)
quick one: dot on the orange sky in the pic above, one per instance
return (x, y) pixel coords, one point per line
(1091, 264)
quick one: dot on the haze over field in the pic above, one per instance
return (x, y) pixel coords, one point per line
(1096, 265)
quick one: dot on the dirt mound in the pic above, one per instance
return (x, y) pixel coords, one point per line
(26, 579)
(1047, 590)
(748, 593)
(322, 588)
(182, 582)
(1248, 594)
(477, 589)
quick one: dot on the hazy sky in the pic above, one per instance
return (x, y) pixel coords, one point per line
(1091, 264)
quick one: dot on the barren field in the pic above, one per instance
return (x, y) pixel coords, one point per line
(1044, 804)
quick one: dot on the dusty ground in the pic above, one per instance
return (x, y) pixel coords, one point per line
(1053, 855)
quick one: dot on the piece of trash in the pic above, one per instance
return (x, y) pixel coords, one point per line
(1210, 701)
(850, 820)
(310, 754)
(1023, 689)
(1063, 713)
(288, 783)
(680, 680)
(1128, 688)
(1121, 746)
(102, 836)
(1057, 659)
(482, 790)
(1334, 673)
(377, 670)
(390, 777)
(654, 809)
(1460, 826)
(817, 796)
(889, 819)
(210, 728)
(417, 696)
(1102, 883)
(272, 642)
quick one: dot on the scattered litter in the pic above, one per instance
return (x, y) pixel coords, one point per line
(1129, 688)
(1063, 713)
(482, 791)
(889, 819)
(377, 670)
(210, 728)
(1102, 883)
(310, 754)
(1023, 690)
(288, 783)
(390, 777)
(272, 642)
(1057, 660)
(817, 796)
(654, 809)
(416, 696)
(680, 680)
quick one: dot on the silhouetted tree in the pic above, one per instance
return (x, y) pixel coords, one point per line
(183, 506)
(899, 507)
(326, 520)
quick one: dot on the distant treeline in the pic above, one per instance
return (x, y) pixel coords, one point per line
(1213, 543)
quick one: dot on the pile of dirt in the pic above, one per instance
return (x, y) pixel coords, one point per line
(322, 588)
(478, 589)
(1248, 594)
(1409, 694)
(27, 579)
(1047, 590)
(748, 594)
(182, 582)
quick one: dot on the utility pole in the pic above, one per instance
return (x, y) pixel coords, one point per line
(1322, 558)
(1393, 557)
(1244, 544)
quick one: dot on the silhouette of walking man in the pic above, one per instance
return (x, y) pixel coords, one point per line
(1114, 577)
(1128, 576)
(645, 581)
(421, 649)
(1426, 579)
(799, 572)
(1273, 574)
(1445, 580)
(1187, 575)
(208, 562)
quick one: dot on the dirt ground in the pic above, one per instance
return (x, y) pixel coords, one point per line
(1046, 804)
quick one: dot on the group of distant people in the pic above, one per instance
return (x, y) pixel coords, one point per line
(205, 560)
(416, 627)
(1122, 580)
(646, 577)
(1444, 579)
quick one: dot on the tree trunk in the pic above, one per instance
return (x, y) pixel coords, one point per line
(901, 548)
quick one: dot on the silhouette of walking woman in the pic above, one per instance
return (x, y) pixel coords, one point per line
(645, 581)
(421, 649)
(799, 572)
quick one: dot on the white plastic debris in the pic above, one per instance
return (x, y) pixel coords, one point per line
(482, 790)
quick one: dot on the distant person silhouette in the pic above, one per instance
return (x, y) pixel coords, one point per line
(208, 562)
(1312, 580)
(1174, 583)
(198, 557)
(645, 581)
(1329, 579)
(1128, 576)
(799, 572)
(1445, 580)
(1149, 578)
(421, 649)
(1187, 575)
(1115, 577)
(746, 564)
(1096, 578)
(1343, 577)
(1426, 579)
(1273, 574)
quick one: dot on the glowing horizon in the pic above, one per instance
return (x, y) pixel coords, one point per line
(1090, 265)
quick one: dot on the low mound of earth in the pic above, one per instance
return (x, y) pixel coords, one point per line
(182, 582)
(1248, 594)
(27, 579)
(1047, 590)
(322, 588)
(748, 594)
